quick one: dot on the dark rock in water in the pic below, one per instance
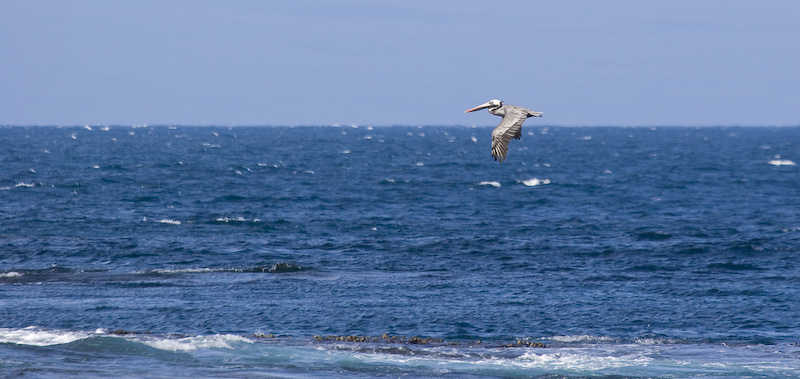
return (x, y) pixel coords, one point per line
(413, 340)
(522, 343)
(384, 338)
(276, 268)
(284, 267)
(121, 332)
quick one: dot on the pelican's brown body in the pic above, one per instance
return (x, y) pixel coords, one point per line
(510, 127)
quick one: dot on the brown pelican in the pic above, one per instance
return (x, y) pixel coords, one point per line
(510, 126)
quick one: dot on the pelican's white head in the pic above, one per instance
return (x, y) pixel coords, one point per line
(491, 104)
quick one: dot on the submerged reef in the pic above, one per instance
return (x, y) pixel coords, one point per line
(386, 338)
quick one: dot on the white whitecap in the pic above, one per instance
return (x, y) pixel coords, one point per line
(228, 219)
(535, 182)
(235, 219)
(493, 184)
(10, 274)
(781, 162)
(474, 139)
(218, 341)
(34, 336)
(168, 221)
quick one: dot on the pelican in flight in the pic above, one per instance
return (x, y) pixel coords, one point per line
(510, 127)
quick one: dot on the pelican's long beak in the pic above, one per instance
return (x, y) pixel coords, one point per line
(479, 107)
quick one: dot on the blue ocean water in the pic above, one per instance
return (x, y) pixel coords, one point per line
(399, 251)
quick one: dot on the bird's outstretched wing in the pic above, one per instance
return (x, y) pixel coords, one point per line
(510, 127)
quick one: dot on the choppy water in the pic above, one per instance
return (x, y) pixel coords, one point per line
(223, 252)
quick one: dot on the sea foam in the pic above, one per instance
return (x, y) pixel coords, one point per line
(235, 220)
(781, 162)
(581, 360)
(217, 341)
(535, 182)
(582, 338)
(34, 336)
(19, 185)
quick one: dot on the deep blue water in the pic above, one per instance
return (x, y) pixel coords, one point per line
(223, 252)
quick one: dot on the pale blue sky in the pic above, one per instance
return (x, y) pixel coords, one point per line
(366, 62)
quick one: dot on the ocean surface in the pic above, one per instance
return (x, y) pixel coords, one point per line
(306, 252)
